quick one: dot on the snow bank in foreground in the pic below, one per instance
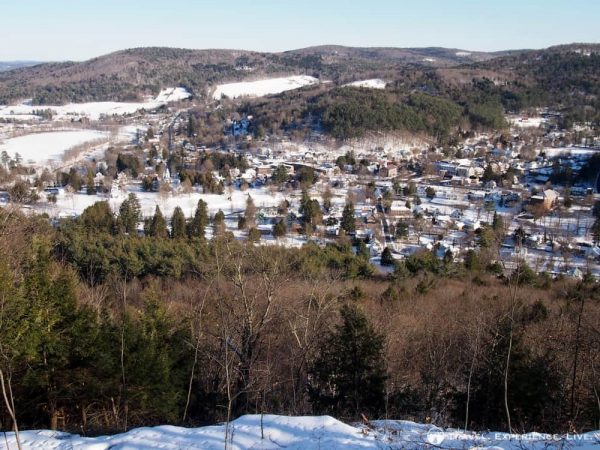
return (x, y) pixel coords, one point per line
(40, 147)
(263, 87)
(94, 110)
(302, 433)
(375, 83)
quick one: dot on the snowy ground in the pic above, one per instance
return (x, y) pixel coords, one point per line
(529, 122)
(302, 433)
(552, 152)
(73, 205)
(263, 87)
(93, 110)
(39, 148)
(375, 83)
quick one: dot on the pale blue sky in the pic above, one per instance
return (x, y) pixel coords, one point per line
(81, 29)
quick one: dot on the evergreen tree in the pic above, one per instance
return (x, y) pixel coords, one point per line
(98, 218)
(386, 257)
(250, 213)
(280, 229)
(362, 251)
(178, 224)
(157, 225)
(253, 234)
(311, 212)
(327, 196)
(130, 214)
(241, 223)
(348, 376)
(280, 174)
(199, 222)
(348, 223)
(488, 173)
(497, 222)
(401, 230)
(90, 186)
(219, 223)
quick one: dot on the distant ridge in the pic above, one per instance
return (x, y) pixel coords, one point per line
(10, 65)
(127, 74)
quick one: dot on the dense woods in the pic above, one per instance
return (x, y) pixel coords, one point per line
(103, 330)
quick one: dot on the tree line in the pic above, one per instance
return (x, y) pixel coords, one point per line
(102, 330)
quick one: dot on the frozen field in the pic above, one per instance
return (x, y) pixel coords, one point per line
(263, 87)
(94, 110)
(303, 433)
(39, 148)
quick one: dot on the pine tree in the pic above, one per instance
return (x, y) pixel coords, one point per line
(250, 213)
(348, 223)
(199, 222)
(497, 222)
(348, 376)
(178, 224)
(280, 174)
(401, 230)
(157, 226)
(219, 223)
(311, 212)
(327, 196)
(98, 218)
(90, 186)
(130, 214)
(386, 257)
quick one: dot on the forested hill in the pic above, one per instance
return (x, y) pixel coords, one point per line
(126, 74)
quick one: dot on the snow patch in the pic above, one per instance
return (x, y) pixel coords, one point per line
(374, 83)
(263, 87)
(94, 110)
(306, 433)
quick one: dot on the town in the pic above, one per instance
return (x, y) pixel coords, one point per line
(524, 194)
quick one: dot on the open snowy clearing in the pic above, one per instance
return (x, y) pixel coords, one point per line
(73, 205)
(263, 87)
(529, 122)
(94, 110)
(375, 83)
(38, 148)
(302, 433)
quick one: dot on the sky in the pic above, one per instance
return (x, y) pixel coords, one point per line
(56, 30)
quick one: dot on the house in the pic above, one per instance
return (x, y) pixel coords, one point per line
(389, 171)
(549, 198)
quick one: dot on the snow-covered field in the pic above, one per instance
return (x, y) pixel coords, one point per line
(263, 87)
(302, 433)
(73, 205)
(552, 152)
(94, 110)
(375, 83)
(530, 122)
(38, 148)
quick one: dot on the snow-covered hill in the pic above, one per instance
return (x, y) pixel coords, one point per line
(302, 433)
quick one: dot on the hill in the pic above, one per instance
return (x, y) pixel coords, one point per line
(11, 65)
(126, 74)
